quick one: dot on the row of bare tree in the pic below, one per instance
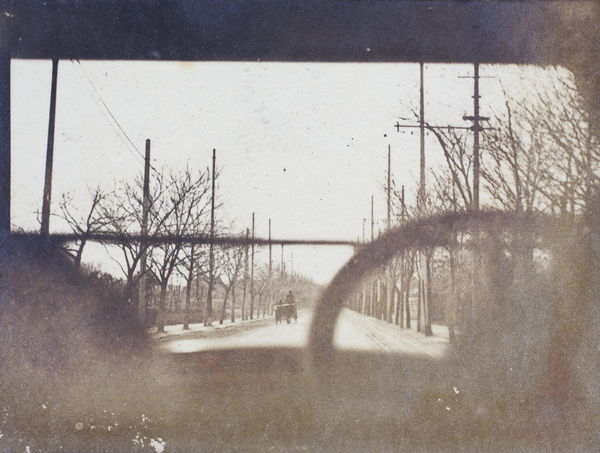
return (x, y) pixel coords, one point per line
(539, 155)
(179, 205)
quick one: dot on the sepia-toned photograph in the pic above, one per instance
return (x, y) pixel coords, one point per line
(299, 226)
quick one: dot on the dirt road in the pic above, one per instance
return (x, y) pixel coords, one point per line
(353, 331)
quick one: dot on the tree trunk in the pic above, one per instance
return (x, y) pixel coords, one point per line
(245, 275)
(200, 299)
(244, 302)
(452, 306)
(161, 308)
(188, 295)
(381, 300)
(258, 305)
(377, 314)
(427, 300)
(208, 307)
(371, 300)
(407, 302)
(399, 321)
(390, 299)
(224, 307)
(233, 304)
(363, 301)
(77, 259)
(419, 301)
(383, 296)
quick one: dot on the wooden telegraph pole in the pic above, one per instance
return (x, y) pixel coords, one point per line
(211, 257)
(389, 183)
(271, 297)
(372, 221)
(476, 128)
(142, 293)
(245, 274)
(421, 203)
(252, 273)
(45, 227)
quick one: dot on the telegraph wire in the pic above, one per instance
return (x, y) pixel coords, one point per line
(135, 152)
(108, 110)
(120, 131)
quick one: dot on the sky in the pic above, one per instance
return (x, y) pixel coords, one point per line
(302, 144)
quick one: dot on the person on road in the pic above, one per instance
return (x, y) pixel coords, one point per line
(289, 299)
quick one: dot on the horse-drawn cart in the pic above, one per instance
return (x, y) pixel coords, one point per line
(286, 311)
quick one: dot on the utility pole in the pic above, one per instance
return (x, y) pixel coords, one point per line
(421, 126)
(270, 294)
(476, 137)
(270, 255)
(404, 213)
(211, 257)
(252, 274)
(364, 222)
(421, 203)
(389, 183)
(45, 228)
(372, 221)
(476, 118)
(245, 275)
(422, 195)
(476, 128)
(142, 296)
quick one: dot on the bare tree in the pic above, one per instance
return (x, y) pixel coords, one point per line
(516, 162)
(184, 206)
(83, 224)
(456, 180)
(176, 201)
(232, 264)
(408, 269)
(575, 148)
(543, 155)
(123, 210)
(246, 275)
(194, 258)
(452, 191)
(259, 283)
(446, 198)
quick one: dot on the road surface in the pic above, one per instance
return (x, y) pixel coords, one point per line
(353, 332)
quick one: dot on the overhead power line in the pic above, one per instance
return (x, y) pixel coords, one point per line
(108, 115)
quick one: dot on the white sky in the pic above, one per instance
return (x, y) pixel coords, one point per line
(304, 144)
